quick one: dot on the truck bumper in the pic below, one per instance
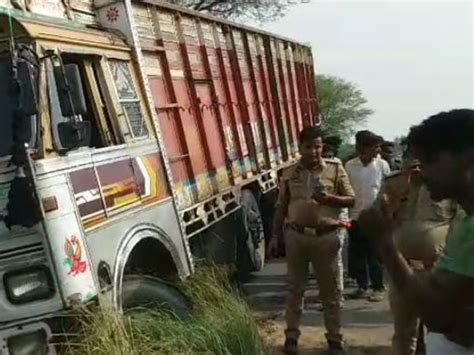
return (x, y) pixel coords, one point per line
(34, 338)
(47, 335)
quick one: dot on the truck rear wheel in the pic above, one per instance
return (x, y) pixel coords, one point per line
(142, 291)
(251, 253)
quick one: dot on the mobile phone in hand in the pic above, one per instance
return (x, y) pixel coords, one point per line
(318, 189)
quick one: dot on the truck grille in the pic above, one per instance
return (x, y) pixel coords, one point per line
(22, 255)
(17, 252)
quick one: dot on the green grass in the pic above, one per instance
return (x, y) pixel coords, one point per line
(221, 323)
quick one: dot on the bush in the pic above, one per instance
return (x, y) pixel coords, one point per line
(221, 324)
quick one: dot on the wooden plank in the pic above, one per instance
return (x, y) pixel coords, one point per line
(301, 85)
(171, 93)
(98, 106)
(275, 98)
(239, 87)
(292, 89)
(210, 82)
(253, 81)
(211, 169)
(225, 85)
(284, 99)
(264, 78)
(168, 106)
(314, 92)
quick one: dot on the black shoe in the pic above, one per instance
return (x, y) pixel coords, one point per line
(290, 347)
(335, 348)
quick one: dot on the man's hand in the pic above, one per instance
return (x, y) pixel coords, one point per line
(321, 197)
(332, 200)
(345, 224)
(379, 221)
(272, 249)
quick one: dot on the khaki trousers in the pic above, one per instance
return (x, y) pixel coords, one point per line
(405, 323)
(321, 252)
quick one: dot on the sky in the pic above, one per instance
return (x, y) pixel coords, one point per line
(410, 58)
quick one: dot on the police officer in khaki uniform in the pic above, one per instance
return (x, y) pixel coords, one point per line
(420, 237)
(311, 195)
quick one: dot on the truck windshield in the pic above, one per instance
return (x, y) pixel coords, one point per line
(6, 106)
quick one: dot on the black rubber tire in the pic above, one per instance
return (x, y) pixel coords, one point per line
(142, 291)
(267, 208)
(251, 250)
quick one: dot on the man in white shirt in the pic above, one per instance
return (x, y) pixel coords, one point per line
(331, 147)
(366, 173)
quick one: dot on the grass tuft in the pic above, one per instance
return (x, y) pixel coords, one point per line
(221, 323)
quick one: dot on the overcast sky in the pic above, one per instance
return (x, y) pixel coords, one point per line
(410, 58)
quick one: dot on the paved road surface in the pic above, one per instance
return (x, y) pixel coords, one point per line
(367, 326)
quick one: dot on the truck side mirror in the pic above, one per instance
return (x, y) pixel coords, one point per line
(74, 134)
(70, 92)
(28, 88)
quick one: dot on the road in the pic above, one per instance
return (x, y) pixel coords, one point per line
(367, 326)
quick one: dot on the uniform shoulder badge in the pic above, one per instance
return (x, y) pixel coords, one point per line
(332, 160)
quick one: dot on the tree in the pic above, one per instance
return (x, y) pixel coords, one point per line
(342, 106)
(260, 10)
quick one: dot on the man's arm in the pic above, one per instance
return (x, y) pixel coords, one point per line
(385, 168)
(439, 297)
(281, 208)
(337, 200)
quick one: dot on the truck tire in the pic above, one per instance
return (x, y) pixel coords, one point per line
(251, 253)
(267, 208)
(142, 291)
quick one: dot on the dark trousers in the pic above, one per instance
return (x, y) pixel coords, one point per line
(364, 262)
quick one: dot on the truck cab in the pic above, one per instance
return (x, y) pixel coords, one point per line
(136, 139)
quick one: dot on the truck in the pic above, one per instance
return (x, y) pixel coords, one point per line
(138, 140)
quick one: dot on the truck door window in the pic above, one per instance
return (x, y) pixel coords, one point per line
(102, 133)
(128, 97)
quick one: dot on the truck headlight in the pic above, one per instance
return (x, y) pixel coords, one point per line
(27, 285)
(29, 343)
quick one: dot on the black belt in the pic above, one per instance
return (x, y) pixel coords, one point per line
(304, 230)
(316, 231)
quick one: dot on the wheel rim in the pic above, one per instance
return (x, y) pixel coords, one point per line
(256, 237)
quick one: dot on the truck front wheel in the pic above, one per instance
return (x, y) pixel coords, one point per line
(142, 291)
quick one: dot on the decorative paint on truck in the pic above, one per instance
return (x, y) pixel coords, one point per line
(113, 188)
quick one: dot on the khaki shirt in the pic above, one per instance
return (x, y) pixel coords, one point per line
(295, 204)
(423, 223)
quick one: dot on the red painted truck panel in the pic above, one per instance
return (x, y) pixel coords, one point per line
(230, 100)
